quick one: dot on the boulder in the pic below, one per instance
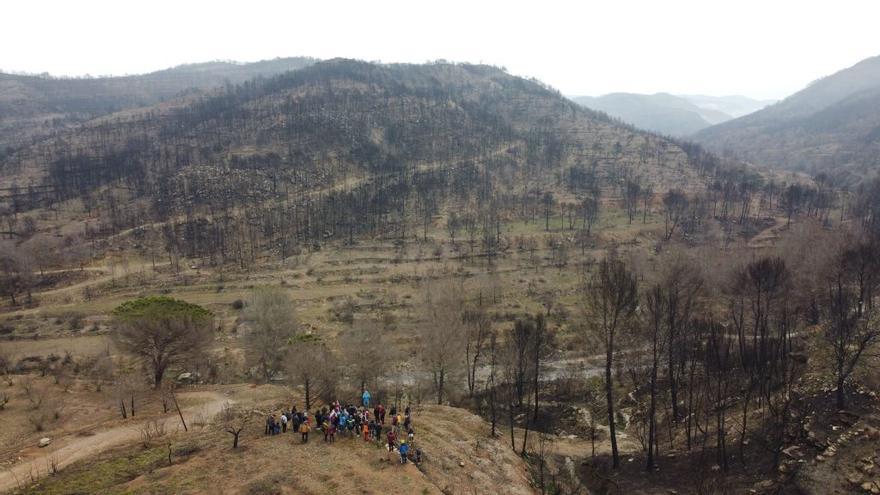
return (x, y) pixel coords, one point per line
(45, 441)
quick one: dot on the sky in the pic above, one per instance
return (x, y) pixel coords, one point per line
(758, 48)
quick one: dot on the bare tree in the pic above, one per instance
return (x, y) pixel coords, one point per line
(676, 203)
(453, 224)
(313, 366)
(99, 369)
(760, 292)
(682, 286)
(272, 323)
(44, 249)
(441, 328)
(366, 353)
(478, 326)
(656, 315)
(234, 420)
(611, 300)
(126, 391)
(632, 191)
(43, 406)
(16, 272)
(491, 382)
(851, 327)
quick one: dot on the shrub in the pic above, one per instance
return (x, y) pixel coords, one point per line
(186, 449)
(344, 310)
(150, 431)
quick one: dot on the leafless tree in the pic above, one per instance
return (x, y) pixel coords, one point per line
(126, 391)
(16, 272)
(272, 325)
(313, 366)
(676, 203)
(655, 315)
(611, 301)
(478, 326)
(852, 326)
(439, 331)
(366, 352)
(99, 369)
(682, 286)
(234, 420)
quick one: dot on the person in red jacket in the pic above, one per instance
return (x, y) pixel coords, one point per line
(392, 439)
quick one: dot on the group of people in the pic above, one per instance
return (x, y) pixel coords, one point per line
(353, 421)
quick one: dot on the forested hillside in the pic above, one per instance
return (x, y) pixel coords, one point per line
(832, 126)
(345, 148)
(32, 106)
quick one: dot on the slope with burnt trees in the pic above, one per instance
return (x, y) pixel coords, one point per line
(344, 148)
(33, 106)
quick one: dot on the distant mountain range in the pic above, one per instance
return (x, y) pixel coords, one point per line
(675, 115)
(33, 106)
(831, 126)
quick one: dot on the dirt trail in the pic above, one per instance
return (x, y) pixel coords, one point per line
(71, 448)
(767, 237)
(106, 273)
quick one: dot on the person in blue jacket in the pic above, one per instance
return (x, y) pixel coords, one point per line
(403, 449)
(343, 422)
(366, 398)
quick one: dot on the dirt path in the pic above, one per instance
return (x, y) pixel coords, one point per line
(73, 448)
(767, 237)
(106, 273)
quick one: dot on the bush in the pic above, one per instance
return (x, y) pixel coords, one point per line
(186, 449)
(238, 304)
(150, 431)
(344, 310)
(38, 419)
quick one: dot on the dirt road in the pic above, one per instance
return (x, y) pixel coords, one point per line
(65, 451)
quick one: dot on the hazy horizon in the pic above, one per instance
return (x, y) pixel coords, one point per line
(762, 51)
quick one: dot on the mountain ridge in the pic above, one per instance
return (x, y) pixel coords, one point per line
(831, 126)
(34, 106)
(669, 114)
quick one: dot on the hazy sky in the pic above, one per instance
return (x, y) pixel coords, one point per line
(760, 48)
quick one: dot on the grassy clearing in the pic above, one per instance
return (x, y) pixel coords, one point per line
(109, 472)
